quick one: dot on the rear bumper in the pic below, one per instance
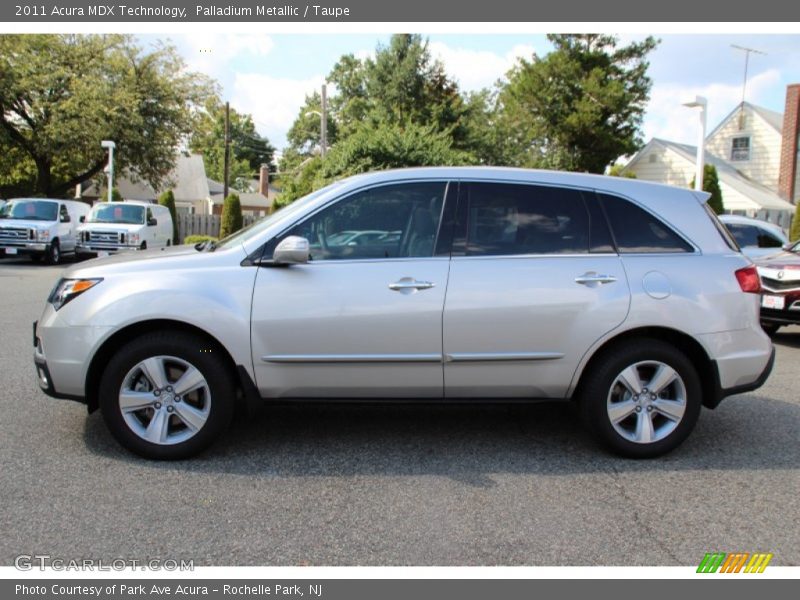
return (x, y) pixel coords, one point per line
(780, 317)
(721, 393)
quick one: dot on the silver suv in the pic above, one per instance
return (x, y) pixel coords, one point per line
(628, 298)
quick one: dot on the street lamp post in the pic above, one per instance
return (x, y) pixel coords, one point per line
(323, 116)
(109, 145)
(701, 103)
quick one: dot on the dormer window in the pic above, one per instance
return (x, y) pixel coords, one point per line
(740, 148)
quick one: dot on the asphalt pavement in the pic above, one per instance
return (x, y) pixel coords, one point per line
(391, 485)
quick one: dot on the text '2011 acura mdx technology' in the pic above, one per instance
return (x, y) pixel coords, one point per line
(628, 298)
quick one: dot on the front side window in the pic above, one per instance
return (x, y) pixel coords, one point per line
(740, 148)
(637, 231)
(507, 219)
(393, 221)
(64, 214)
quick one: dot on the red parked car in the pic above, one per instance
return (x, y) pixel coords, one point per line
(780, 280)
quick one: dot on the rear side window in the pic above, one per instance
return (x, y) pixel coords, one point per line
(637, 231)
(507, 219)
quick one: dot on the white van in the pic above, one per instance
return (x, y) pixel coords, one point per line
(41, 227)
(129, 225)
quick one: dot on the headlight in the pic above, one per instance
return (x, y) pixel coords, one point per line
(68, 289)
(133, 238)
(43, 235)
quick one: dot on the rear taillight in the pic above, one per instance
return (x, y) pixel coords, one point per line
(749, 280)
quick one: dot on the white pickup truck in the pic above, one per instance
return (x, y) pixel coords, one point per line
(40, 227)
(130, 225)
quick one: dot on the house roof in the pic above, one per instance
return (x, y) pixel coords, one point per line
(727, 174)
(187, 180)
(772, 118)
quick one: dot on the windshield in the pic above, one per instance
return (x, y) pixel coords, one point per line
(254, 229)
(114, 212)
(30, 210)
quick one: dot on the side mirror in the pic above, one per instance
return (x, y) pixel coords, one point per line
(65, 219)
(787, 246)
(294, 250)
(82, 219)
(152, 222)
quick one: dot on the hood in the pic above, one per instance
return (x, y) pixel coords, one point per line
(784, 260)
(25, 223)
(115, 227)
(157, 259)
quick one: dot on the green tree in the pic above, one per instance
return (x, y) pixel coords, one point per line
(399, 109)
(794, 233)
(231, 215)
(60, 95)
(578, 107)
(618, 170)
(116, 195)
(168, 199)
(711, 185)
(249, 150)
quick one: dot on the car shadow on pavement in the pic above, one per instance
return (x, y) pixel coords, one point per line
(467, 443)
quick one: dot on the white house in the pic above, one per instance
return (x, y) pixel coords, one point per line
(754, 151)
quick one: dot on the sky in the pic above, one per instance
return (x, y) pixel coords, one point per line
(269, 75)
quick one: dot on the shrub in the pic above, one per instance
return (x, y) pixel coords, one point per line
(794, 233)
(168, 199)
(196, 239)
(711, 185)
(231, 216)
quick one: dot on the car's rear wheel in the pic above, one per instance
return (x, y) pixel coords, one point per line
(166, 395)
(641, 399)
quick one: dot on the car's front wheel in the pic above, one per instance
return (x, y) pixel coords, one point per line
(642, 398)
(167, 395)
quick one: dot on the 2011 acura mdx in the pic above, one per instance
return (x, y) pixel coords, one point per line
(628, 298)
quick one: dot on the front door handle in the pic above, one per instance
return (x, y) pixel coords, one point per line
(409, 285)
(594, 278)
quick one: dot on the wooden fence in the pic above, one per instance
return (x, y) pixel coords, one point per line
(204, 224)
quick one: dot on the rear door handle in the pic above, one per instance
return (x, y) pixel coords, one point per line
(592, 277)
(409, 285)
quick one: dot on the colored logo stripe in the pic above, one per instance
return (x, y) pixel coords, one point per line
(734, 562)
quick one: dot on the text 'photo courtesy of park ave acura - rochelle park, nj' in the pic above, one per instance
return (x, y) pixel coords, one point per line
(277, 299)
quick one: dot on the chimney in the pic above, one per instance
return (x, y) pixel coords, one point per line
(787, 175)
(263, 181)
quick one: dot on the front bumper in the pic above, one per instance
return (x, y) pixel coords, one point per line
(95, 249)
(61, 355)
(25, 247)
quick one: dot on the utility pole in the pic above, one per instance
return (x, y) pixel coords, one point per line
(747, 52)
(227, 149)
(324, 124)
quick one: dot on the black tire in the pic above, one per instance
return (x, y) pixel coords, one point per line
(196, 352)
(53, 253)
(143, 246)
(770, 328)
(601, 390)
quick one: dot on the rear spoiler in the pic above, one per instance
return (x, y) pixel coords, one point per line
(702, 197)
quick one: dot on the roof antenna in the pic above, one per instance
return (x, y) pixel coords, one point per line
(747, 52)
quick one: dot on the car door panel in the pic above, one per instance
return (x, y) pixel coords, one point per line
(532, 285)
(348, 324)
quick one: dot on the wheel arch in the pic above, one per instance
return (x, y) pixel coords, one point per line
(706, 368)
(109, 347)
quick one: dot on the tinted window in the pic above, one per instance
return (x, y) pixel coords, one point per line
(525, 219)
(636, 230)
(32, 210)
(64, 213)
(383, 222)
